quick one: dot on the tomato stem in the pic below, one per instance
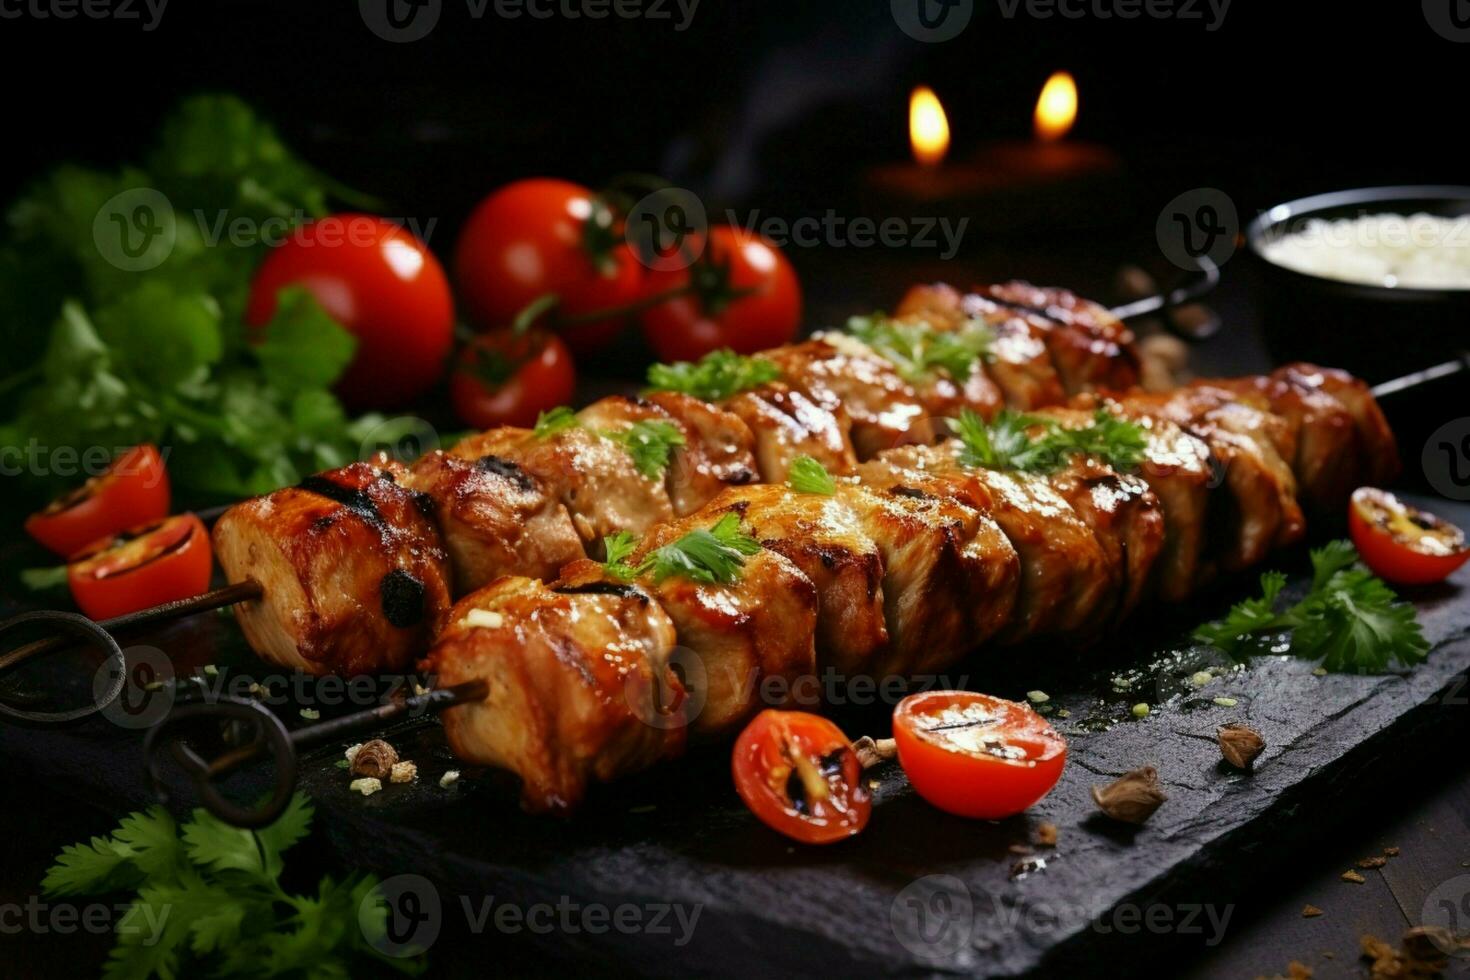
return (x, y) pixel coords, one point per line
(532, 312)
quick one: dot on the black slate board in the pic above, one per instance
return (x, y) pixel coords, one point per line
(919, 892)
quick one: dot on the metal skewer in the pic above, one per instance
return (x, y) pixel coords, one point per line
(169, 741)
(1408, 381)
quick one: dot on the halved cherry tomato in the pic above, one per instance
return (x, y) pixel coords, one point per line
(506, 378)
(381, 283)
(798, 773)
(541, 237)
(132, 490)
(975, 755)
(141, 567)
(1404, 544)
(743, 295)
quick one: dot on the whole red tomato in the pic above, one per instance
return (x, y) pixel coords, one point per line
(383, 285)
(542, 237)
(507, 378)
(741, 293)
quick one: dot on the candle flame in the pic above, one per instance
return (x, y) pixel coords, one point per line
(928, 127)
(1056, 110)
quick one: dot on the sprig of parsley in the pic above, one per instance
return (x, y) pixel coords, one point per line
(716, 376)
(1035, 444)
(209, 900)
(1350, 619)
(809, 476)
(650, 444)
(917, 350)
(713, 556)
(556, 420)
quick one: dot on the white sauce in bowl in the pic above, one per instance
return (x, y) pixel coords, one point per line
(1421, 251)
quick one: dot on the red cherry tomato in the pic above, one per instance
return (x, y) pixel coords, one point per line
(1404, 544)
(505, 378)
(719, 312)
(975, 755)
(132, 490)
(540, 237)
(141, 567)
(798, 773)
(383, 285)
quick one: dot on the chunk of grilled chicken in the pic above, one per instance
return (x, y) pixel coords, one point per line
(1067, 585)
(1259, 511)
(496, 518)
(749, 642)
(824, 537)
(1019, 364)
(718, 451)
(1091, 348)
(839, 372)
(785, 423)
(580, 686)
(354, 574)
(1125, 515)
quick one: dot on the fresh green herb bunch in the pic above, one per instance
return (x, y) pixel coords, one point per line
(102, 351)
(210, 902)
(1350, 619)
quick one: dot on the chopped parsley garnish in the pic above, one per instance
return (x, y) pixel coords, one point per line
(1008, 442)
(714, 377)
(713, 556)
(1350, 619)
(557, 420)
(917, 349)
(649, 443)
(809, 476)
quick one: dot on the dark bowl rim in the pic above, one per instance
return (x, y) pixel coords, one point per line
(1306, 206)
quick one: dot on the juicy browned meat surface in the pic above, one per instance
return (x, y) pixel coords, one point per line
(787, 423)
(580, 687)
(1065, 583)
(355, 575)
(1091, 348)
(746, 646)
(824, 537)
(496, 518)
(1376, 451)
(718, 451)
(884, 409)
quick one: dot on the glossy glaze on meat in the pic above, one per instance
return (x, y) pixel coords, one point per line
(355, 575)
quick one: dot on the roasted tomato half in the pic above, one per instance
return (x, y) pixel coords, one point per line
(132, 490)
(141, 567)
(1401, 543)
(799, 774)
(975, 755)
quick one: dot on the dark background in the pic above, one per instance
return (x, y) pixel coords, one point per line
(783, 106)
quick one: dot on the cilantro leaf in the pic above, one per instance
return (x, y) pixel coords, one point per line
(711, 556)
(303, 346)
(716, 376)
(1037, 444)
(809, 476)
(619, 548)
(1350, 619)
(650, 443)
(557, 420)
(918, 350)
